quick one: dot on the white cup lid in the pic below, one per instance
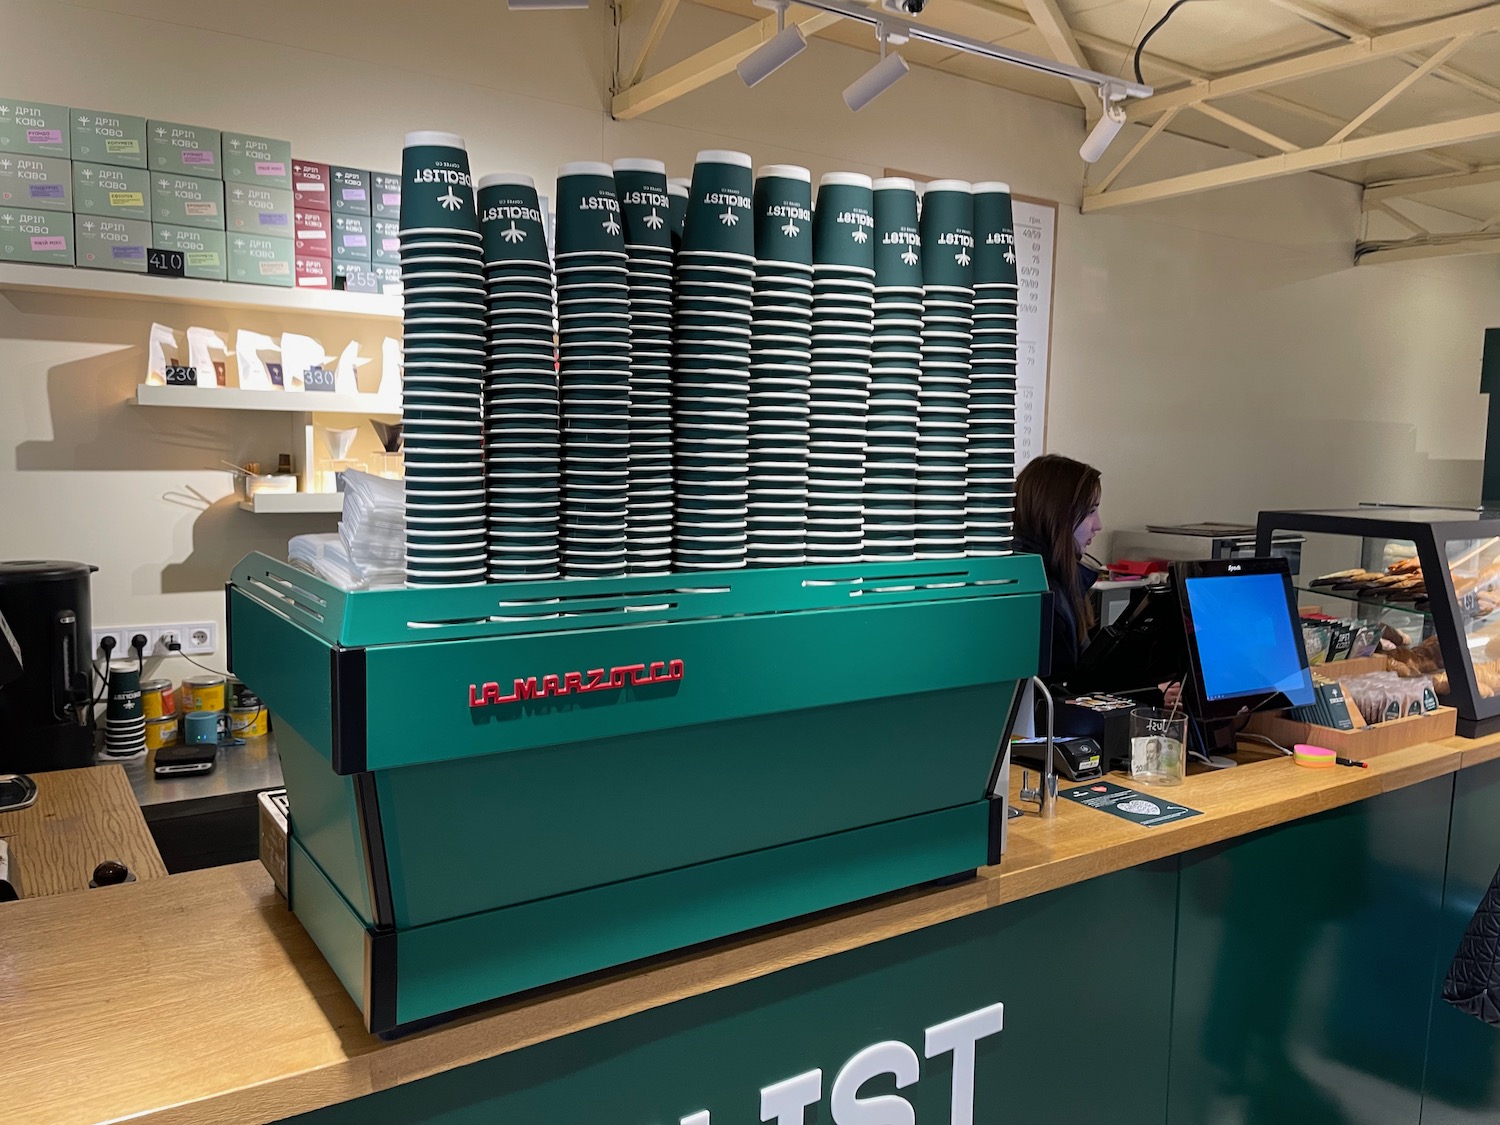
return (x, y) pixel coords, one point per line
(677, 187)
(895, 183)
(423, 139)
(991, 187)
(640, 164)
(724, 156)
(506, 179)
(586, 168)
(785, 172)
(846, 179)
(950, 185)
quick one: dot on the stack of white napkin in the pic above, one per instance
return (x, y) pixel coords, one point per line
(369, 551)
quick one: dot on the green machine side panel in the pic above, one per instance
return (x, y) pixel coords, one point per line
(1082, 1044)
(561, 818)
(451, 964)
(285, 665)
(324, 819)
(734, 667)
(328, 919)
(1463, 1062)
(1305, 967)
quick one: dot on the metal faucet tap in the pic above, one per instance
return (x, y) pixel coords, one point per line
(1045, 795)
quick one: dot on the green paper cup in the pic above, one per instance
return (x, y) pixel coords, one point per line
(844, 222)
(510, 219)
(898, 239)
(677, 195)
(994, 235)
(644, 206)
(588, 210)
(720, 215)
(437, 190)
(783, 214)
(947, 227)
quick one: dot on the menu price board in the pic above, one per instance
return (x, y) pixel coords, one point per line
(1036, 227)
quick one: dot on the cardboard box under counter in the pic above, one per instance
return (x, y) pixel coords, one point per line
(34, 129)
(187, 201)
(262, 261)
(261, 211)
(257, 160)
(187, 149)
(310, 186)
(109, 138)
(314, 272)
(349, 190)
(385, 195)
(104, 189)
(205, 253)
(103, 243)
(41, 182)
(28, 235)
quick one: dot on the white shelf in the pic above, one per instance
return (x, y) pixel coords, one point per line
(74, 282)
(284, 402)
(293, 503)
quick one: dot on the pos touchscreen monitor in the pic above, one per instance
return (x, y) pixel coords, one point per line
(1244, 637)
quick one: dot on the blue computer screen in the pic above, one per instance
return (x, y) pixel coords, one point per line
(1248, 643)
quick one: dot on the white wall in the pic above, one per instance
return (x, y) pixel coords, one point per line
(1213, 355)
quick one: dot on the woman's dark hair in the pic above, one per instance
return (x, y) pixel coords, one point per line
(1053, 495)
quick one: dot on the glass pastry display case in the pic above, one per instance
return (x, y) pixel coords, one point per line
(1430, 577)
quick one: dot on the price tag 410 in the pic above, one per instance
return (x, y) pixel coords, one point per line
(165, 263)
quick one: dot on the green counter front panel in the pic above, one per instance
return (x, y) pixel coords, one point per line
(1082, 1043)
(1463, 1069)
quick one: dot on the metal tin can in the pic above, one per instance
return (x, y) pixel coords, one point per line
(158, 699)
(161, 732)
(248, 722)
(241, 698)
(205, 693)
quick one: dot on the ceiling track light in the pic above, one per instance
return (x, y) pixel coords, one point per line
(880, 77)
(774, 53)
(1107, 128)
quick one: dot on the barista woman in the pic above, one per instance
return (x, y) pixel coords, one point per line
(1057, 517)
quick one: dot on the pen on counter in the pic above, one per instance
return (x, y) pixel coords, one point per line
(1352, 762)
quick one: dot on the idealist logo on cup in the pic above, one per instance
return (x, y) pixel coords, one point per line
(844, 223)
(995, 235)
(720, 213)
(588, 210)
(898, 245)
(947, 226)
(511, 220)
(645, 207)
(783, 214)
(437, 189)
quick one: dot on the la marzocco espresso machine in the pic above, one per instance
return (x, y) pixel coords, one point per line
(46, 713)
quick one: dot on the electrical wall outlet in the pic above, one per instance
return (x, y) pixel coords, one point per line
(197, 638)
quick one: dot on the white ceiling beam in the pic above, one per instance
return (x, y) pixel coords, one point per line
(710, 63)
(1417, 249)
(1458, 42)
(1150, 135)
(1478, 20)
(1266, 137)
(1390, 212)
(665, 10)
(1463, 131)
(1049, 20)
(1377, 194)
(1462, 79)
(1313, 14)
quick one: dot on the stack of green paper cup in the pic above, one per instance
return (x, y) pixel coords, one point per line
(780, 367)
(947, 228)
(895, 374)
(991, 466)
(646, 215)
(711, 382)
(843, 311)
(442, 387)
(523, 480)
(677, 192)
(594, 370)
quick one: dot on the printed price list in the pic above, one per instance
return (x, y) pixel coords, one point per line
(1036, 224)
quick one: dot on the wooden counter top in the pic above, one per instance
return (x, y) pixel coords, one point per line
(81, 817)
(203, 1000)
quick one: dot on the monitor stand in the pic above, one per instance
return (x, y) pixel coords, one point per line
(1213, 741)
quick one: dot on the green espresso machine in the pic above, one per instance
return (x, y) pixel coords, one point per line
(495, 788)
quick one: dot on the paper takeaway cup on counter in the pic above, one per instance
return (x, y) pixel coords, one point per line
(645, 207)
(720, 207)
(510, 219)
(844, 222)
(783, 214)
(588, 211)
(994, 235)
(898, 239)
(437, 190)
(947, 226)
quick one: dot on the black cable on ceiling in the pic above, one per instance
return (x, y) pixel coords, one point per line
(1155, 27)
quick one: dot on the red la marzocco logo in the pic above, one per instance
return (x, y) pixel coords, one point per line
(571, 683)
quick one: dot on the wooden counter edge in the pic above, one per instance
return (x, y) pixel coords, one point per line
(370, 1066)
